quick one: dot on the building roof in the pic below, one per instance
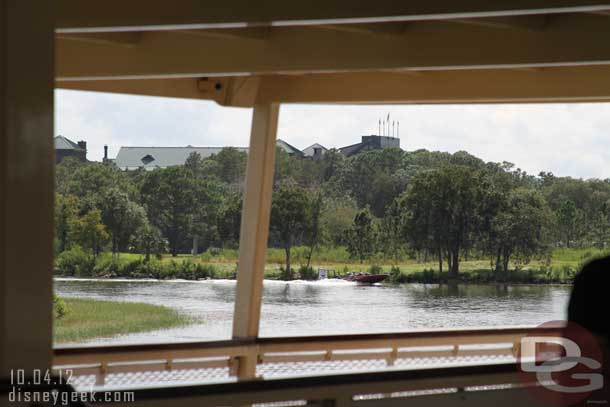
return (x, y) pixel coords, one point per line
(309, 151)
(132, 158)
(62, 143)
(352, 149)
(370, 142)
(290, 149)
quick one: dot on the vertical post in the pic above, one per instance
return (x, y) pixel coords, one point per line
(255, 229)
(26, 184)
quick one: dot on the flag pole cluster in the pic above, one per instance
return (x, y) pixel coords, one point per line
(385, 130)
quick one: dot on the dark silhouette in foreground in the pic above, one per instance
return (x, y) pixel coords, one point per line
(590, 300)
(589, 307)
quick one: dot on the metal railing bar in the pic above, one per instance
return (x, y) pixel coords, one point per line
(333, 386)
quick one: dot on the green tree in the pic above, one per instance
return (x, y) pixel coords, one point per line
(89, 180)
(332, 164)
(443, 212)
(599, 234)
(361, 237)
(148, 240)
(231, 165)
(229, 221)
(170, 197)
(66, 211)
(391, 230)
(522, 228)
(313, 229)
(336, 218)
(89, 232)
(121, 216)
(374, 178)
(195, 164)
(289, 218)
(569, 220)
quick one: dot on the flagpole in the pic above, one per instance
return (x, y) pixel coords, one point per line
(388, 121)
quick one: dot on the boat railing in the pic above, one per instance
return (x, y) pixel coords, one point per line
(285, 356)
(496, 385)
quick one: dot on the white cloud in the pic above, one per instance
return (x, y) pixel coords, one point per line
(565, 139)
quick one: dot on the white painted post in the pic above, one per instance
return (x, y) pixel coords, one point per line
(255, 230)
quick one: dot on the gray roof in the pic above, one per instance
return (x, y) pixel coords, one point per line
(62, 143)
(309, 151)
(353, 149)
(290, 149)
(132, 158)
(149, 158)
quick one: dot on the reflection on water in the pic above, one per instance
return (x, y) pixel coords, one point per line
(329, 307)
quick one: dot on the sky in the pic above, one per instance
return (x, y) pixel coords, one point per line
(565, 139)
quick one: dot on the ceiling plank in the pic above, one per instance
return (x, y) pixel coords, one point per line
(552, 85)
(128, 39)
(573, 39)
(390, 29)
(530, 22)
(252, 33)
(102, 15)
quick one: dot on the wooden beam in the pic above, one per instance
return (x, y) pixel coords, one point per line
(26, 186)
(552, 85)
(390, 29)
(255, 230)
(228, 91)
(128, 39)
(108, 15)
(571, 39)
(524, 85)
(529, 22)
(251, 33)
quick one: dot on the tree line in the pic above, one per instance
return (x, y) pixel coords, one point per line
(391, 203)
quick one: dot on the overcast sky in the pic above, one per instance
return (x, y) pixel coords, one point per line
(568, 140)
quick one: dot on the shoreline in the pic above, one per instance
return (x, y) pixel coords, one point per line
(90, 319)
(297, 281)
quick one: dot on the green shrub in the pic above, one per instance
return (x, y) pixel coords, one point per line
(215, 251)
(60, 308)
(307, 273)
(375, 269)
(106, 266)
(286, 275)
(396, 275)
(185, 270)
(205, 271)
(133, 269)
(426, 276)
(75, 262)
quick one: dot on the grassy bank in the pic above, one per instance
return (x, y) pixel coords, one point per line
(222, 263)
(88, 319)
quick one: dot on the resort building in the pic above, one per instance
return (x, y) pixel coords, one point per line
(372, 142)
(149, 158)
(315, 151)
(67, 148)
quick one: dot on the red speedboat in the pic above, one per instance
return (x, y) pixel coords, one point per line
(366, 278)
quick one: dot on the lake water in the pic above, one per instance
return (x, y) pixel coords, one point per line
(329, 306)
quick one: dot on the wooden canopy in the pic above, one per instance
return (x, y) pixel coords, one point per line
(238, 51)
